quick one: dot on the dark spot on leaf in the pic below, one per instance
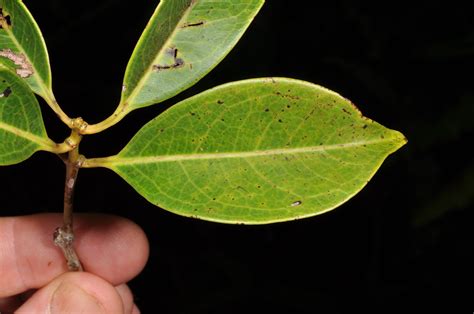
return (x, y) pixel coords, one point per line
(343, 109)
(267, 110)
(187, 24)
(288, 106)
(178, 62)
(162, 130)
(294, 97)
(280, 120)
(6, 92)
(365, 126)
(192, 113)
(220, 102)
(172, 52)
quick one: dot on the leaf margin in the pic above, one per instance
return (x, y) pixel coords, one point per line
(398, 139)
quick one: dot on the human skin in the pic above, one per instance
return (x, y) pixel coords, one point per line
(33, 272)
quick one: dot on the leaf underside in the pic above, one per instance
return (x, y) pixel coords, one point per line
(22, 47)
(22, 130)
(255, 151)
(182, 42)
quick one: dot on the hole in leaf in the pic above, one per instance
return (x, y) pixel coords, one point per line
(5, 19)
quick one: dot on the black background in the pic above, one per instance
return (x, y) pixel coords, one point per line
(406, 238)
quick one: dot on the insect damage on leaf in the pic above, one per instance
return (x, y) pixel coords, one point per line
(178, 62)
(5, 20)
(25, 69)
(6, 92)
(297, 203)
(187, 24)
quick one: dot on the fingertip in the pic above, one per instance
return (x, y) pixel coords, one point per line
(113, 247)
(75, 292)
(127, 297)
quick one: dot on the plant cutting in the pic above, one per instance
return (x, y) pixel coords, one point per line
(255, 151)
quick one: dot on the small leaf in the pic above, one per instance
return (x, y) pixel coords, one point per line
(22, 47)
(182, 42)
(22, 130)
(255, 151)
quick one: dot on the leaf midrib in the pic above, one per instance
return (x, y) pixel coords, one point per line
(45, 143)
(118, 160)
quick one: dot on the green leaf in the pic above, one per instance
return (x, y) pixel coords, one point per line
(182, 42)
(255, 151)
(22, 47)
(22, 130)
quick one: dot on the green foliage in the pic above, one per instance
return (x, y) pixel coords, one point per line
(22, 130)
(22, 47)
(183, 41)
(254, 151)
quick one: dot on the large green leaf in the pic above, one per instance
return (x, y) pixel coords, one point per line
(255, 151)
(182, 42)
(22, 47)
(22, 130)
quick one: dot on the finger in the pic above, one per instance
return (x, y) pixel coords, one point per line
(127, 297)
(111, 247)
(10, 304)
(75, 292)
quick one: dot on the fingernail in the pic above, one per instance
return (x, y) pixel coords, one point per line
(70, 298)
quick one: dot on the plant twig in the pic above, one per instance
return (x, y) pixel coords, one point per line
(64, 235)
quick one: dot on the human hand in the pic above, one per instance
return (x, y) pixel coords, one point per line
(33, 272)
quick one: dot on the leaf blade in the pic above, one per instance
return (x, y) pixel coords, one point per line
(22, 130)
(22, 47)
(255, 151)
(169, 58)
